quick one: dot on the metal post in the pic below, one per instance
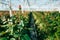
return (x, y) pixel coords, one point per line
(10, 9)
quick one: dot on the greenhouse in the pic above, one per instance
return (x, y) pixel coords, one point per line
(29, 20)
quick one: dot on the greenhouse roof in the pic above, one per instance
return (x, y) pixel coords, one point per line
(32, 4)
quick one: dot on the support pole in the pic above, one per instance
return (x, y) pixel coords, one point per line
(10, 9)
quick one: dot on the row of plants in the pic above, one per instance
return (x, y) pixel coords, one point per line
(48, 25)
(35, 26)
(17, 27)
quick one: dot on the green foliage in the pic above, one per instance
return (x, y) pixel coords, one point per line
(49, 25)
(37, 26)
(3, 38)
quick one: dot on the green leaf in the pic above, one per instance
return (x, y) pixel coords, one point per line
(12, 39)
(3, 38)
(27, 37)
